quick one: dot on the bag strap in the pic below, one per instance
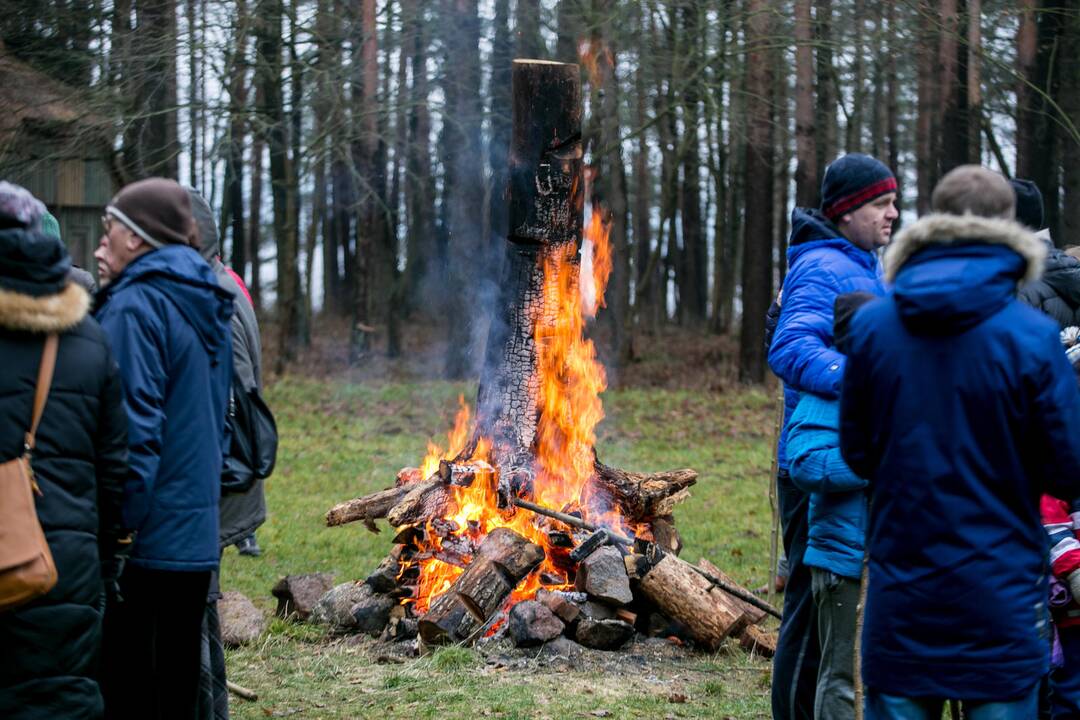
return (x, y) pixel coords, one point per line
(41, 391)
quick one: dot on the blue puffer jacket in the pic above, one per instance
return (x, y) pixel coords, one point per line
(960, 409)
(838, 496)
(822, 264)
(167, 319)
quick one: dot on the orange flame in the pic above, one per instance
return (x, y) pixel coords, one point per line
(570, 382)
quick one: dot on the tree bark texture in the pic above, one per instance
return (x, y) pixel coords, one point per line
(232, 209)
(757, 261)
(826, 87)
(546, 197)
(807, 184)
(150, 146)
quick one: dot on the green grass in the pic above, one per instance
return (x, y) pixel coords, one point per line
(341, 440)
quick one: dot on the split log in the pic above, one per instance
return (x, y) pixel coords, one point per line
(369, 507)
(502, 561)
(665, 534)
(644, 496)
(681, 593)
(754, 614)
(424, 501)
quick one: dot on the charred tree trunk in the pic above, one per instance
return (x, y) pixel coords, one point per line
(757, 264)
(807, 186)
(546, 197)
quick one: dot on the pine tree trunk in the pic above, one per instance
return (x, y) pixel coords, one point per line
(368, 226)
(807, 183)
(232, 209)
(150, 145)
(757, 265)
(422, 266)
(858, 71)
(926, 129)
(1027, 42)
(695, 284)
(528, 43)
(1070, 140)
(646, 307)
(826, 88)
(258, 144)
(952, 70)
(974, 82)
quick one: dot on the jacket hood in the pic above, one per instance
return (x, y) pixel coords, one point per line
(810, 224)
(45, 313)
(951, 272)
(811, 230)
(187, 280)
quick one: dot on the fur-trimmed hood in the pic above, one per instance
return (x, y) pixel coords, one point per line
(44, 314)
(942, 229)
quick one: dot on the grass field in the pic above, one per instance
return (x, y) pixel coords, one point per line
(341, 440)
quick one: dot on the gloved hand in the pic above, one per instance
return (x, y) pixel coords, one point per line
(1073, 580)
(113, 568)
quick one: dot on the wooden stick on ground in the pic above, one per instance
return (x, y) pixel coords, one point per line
(241, 692)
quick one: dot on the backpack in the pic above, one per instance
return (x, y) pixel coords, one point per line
(253, 442)
(27, 570)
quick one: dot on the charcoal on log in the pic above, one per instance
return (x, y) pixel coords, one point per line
(644, 496)
(754, 614)
(681, 593)
(602, 575)
(532, 623)
(589, 545)
(503, 560)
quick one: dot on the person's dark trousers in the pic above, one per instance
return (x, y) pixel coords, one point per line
(795, 664)
(836, 599)
(1065, 680)
(213, 690)
(151, 645)
(880, 706)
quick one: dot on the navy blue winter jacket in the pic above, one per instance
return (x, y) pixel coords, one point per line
(822, 264)
(837, 514)
(167, 319)
(960, 409)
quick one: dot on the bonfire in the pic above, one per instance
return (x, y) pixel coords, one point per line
(514, 525)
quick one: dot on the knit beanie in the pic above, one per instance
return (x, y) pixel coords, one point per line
(852, 181)
(1029, 204)
(158, 211)
(31, 261)
(843, 311)
(50, 225)
(204, 219)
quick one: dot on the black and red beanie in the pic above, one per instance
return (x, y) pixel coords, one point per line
(852, 181)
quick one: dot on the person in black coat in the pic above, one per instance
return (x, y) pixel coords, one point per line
(50, 646)
(1057, 292)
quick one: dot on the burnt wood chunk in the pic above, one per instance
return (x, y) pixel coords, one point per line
(759, 641)
(408, 476)
(589, 545)
(603, 576)
(532, 623)
(666, 535)
(503, 560)
(557, 603)
(384, 578)
(644, 496)
(679, 592)
(464, 474)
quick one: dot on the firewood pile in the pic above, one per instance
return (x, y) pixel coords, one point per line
(516, 527)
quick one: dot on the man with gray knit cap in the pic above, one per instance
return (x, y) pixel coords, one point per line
(243, 500)
(167, 319)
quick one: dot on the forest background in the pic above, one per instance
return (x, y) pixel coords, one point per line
(356, 150)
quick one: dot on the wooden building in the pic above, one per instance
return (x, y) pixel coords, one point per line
(55, 145)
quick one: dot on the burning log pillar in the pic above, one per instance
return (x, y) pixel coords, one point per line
(546, 202)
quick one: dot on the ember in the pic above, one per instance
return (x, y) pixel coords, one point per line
(516, 506)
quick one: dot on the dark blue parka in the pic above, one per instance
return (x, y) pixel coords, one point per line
(822, 264)
(167, 319)
(960, 409)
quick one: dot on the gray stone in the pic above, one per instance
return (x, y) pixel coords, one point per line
(241, 622)
(532, 623)
(298, 594)
(603, 634)
(371, 612)
(603, 576)
(596, 611)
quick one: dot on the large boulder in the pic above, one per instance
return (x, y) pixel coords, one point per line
(298, 594)
(241, 622)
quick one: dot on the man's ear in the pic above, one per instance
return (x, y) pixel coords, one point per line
(843, 220)
(132, 241)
